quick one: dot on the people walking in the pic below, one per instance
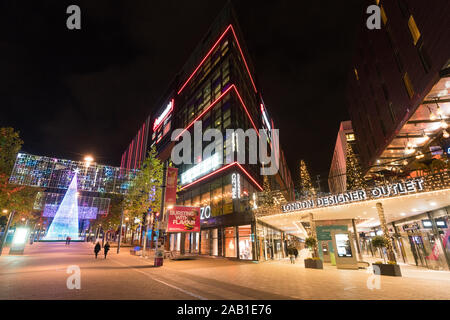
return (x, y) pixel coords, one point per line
(97, 249)
(295, 253)
(68, 240)
(291, 254)
(106, 248)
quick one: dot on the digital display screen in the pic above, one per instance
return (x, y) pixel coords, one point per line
(427, 224)
(441, 223)
(344, 248)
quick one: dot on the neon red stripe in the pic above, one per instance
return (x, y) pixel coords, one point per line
(168, 113)
(246, 111)
(221, 169)
(242, 54)
(209, 53)
(214, 103)
(137, 149)
(251, 178)
(142, 144)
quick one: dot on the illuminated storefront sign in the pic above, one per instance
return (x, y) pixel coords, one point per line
(163, 115)
(409, 186)
(201, 169)
(235, 186)
(205, 212)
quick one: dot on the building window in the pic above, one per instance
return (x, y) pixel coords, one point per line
(350, 136)
(245, 242)
(205, 247)
(391, 112)
(408, 85)
(383, 15)
(230, 242)
(403, 8)
(424, 58)
(415, 33)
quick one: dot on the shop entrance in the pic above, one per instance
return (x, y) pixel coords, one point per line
(418, 249)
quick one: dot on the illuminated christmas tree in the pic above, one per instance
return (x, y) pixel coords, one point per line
(306, 186)
(355, 178)
(267, 193)
(65, 222)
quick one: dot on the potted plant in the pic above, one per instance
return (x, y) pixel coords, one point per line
(391, 268)
(314, 262)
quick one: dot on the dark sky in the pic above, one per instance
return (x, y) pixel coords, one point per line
(70, 93)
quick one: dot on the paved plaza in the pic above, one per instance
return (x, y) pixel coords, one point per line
(41, 273)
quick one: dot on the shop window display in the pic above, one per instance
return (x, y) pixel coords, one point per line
(215, 242)
(245, 242)
(205, 242)
(230, 242)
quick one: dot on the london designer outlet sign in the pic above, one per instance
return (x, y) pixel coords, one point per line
(391, 190)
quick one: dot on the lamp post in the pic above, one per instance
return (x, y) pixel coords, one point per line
(120, 232)
(126, 229)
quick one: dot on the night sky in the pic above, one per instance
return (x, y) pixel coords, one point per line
(71, 93)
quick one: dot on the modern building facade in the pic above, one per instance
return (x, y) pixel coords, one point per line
(218, 87)
(337, 178)
(398, 88)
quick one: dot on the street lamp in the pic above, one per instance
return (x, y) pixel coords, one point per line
(88, 159)
(5, 211)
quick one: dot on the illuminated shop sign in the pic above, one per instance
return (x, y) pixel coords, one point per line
(205, 212)
(401, 188)
(235, 186)
(201, 169)
(163, 115)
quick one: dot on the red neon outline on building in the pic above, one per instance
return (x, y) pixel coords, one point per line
(137, 148)
(212, 49)
(130, 154)
(214, 103)
(142, 144)
(162, 121)
(221, 169)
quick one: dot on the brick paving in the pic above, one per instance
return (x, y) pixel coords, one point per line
(41, 273)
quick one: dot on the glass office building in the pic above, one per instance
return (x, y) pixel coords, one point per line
(216, 86)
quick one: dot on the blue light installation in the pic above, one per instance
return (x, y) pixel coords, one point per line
(65, 223)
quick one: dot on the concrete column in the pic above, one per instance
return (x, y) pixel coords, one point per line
(312, 226)
(358, 248)
(390, 251)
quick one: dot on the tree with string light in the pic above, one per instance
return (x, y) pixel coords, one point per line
(355, 178)
(306, 186)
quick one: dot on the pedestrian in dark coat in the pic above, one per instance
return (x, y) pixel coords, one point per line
(291, 255)
(295, 252)
(106, 248)
(97, 249)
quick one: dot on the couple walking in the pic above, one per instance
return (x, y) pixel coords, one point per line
(98, 247)
(293, 253)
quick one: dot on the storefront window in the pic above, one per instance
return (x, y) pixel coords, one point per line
(205, 242)
(227, 200)
(178, 236)
(245, 242)
(215, 242)
(216, 201)
(230, 242)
